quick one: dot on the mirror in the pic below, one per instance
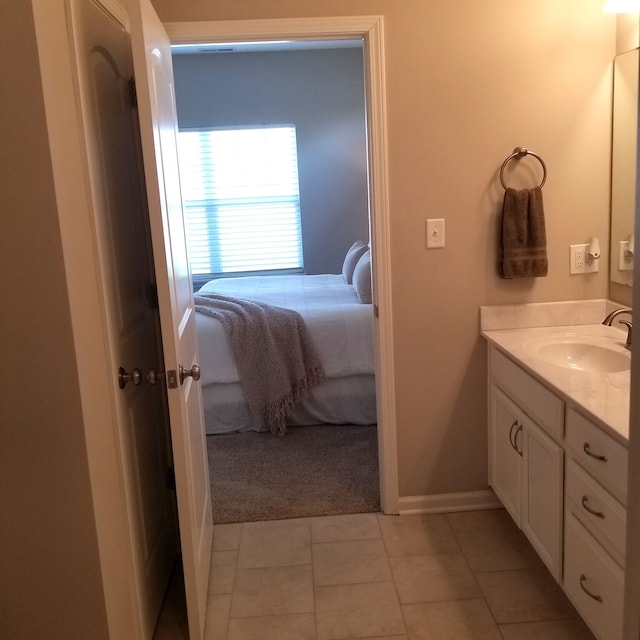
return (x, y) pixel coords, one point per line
(623, 165)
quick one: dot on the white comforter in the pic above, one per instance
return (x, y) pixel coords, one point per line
(341, 327)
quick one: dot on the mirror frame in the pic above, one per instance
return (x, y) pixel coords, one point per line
(623, 166)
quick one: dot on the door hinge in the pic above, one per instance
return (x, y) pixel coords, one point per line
(171, 478)
(376, 311)
(133, 94)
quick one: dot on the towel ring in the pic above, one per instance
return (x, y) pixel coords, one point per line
(518, 153)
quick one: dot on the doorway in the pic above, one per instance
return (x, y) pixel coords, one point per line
(244, 93)
(370, 30)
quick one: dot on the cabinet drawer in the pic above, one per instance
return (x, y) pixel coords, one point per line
(540, 404)
(593, 581)
(603, 457)
(597, 509)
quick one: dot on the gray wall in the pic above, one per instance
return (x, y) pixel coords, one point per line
(322, 94)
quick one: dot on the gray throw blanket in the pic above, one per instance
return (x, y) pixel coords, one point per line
(274, 354)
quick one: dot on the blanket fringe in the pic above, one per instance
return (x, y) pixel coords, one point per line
(274, 415)
(274, 354)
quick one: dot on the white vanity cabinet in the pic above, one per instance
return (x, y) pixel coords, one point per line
(563, 479)
(526, 462)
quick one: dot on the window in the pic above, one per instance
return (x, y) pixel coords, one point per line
(241, 200)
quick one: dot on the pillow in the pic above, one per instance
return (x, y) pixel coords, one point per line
(351, 260)
(362, 278)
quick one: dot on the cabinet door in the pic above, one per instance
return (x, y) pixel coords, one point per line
(506, 440)
(543, 495)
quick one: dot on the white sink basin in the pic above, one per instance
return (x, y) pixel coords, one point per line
(582, 353)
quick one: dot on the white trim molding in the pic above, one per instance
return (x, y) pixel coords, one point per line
(371, 30)
(219, 31)
(449, 502)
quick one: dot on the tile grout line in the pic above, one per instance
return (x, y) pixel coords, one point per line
(313, 581)
(235, 577)
(475, 578)
(393, 579)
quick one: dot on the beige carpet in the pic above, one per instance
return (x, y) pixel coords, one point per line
(311, 471)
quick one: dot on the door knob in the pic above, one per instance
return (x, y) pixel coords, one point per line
(194, 372)
(123, 377)
(153, 376)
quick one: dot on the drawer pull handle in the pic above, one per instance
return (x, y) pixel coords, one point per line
(513, 437)
(593, 512)
(520, 429)
(587, 450)
(594, 596)
(513, 426)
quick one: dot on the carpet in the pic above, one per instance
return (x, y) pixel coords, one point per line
(311, 471)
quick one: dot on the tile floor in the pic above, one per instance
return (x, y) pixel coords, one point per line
(458, 576)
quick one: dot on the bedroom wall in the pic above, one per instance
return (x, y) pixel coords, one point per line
(49, 573)
(322, 93)
(466, 83)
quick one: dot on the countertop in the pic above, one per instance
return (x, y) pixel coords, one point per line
(602, 397)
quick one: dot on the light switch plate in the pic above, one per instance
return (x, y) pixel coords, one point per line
(435, 233)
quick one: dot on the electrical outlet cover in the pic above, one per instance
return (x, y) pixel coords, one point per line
(625, 258)
(580, 262)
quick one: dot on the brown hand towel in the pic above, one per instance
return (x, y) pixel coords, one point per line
(524, 243)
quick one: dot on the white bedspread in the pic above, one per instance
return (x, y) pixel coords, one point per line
(341, 327)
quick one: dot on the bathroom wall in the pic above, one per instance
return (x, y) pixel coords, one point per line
(50, 576)
(466, 83)
(627, 32)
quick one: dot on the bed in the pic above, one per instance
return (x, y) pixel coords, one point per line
(338, 315)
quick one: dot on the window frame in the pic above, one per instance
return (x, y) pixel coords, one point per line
(200, 278)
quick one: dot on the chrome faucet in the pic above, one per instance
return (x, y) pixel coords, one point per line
(613, 315)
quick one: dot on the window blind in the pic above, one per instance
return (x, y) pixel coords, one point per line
(241, 199)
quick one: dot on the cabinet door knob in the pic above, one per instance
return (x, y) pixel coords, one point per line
(593, 512)
(595, 456)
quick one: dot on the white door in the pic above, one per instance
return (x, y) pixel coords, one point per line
(104, 70)
(158, 129)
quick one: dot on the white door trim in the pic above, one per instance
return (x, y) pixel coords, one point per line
(370, 29)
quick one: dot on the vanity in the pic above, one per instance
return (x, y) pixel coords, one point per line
(558, 432)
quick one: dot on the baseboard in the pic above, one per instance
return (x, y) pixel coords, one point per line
(448, 502)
